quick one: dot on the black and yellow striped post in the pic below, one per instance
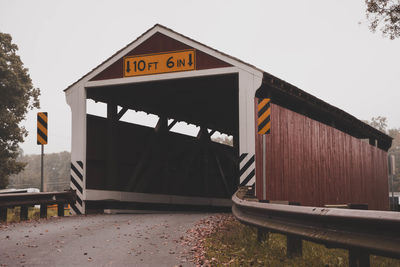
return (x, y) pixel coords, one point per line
(42, 140)
(264, 116)
(264, 128)
(42, 128)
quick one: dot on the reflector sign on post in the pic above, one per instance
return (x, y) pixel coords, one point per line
(159, 63)
(42, 128)
(264, 116)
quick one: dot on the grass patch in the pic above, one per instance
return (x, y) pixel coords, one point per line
(235, 244)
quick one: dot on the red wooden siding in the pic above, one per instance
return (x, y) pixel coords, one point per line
(315, 164)
(156, 44)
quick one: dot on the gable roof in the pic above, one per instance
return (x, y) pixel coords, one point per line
(158, 28)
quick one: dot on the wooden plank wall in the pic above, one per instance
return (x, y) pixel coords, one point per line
(315, 164)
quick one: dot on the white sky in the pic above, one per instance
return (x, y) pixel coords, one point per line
(319, 46)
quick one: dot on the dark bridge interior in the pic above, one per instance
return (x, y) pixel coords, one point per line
(129, 157)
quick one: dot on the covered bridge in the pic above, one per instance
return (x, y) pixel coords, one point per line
(287, 144)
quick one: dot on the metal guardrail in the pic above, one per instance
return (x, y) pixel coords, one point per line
(24, 200)
(362, 232)
(14, 191)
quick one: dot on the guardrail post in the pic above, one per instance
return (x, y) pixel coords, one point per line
(3, 214)
(60, 210)
(43, 211)
(358, 258)
(262, 234)
(23, 215)
(294, 246)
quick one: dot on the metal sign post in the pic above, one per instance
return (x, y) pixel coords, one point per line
(264, 128)
(42, 140)
(392, 169)
(41, 170)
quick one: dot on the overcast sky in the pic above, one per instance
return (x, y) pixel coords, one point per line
(322, 47)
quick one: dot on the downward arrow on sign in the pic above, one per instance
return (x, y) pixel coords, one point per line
(190, 60)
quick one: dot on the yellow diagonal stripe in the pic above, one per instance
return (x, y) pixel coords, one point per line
(264, 116)
(265, 129)
(40, 139)
(43, 116)
(41, 127)
(262, 103)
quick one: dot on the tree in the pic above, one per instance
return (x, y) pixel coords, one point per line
(380, 123)
(395, 150)
(223, 140)
(385, 16)
(17, 96)
(56, 172)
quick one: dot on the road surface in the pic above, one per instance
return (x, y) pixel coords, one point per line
(98, 240)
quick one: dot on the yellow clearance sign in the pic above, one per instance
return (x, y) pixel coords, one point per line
(159, 63)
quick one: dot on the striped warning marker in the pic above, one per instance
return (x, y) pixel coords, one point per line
(77, 173)
(264, 116)
(246, 169)
(42, 128)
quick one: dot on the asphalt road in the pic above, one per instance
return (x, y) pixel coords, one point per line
(98, 240)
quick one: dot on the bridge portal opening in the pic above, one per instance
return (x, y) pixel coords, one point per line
(128, 157)
(116, 157)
